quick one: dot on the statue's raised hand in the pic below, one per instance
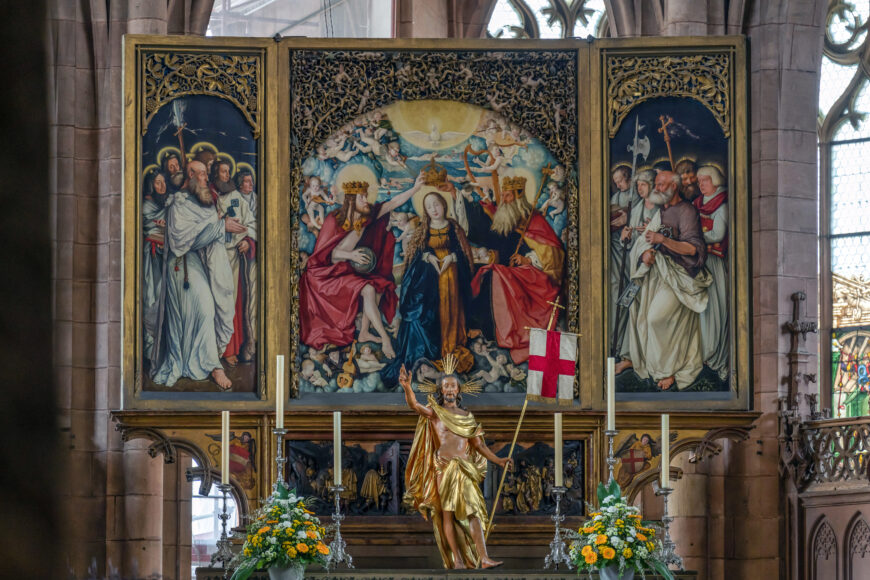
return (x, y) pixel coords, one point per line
(405, 378)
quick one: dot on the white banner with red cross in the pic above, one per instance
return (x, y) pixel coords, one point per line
(552, 364)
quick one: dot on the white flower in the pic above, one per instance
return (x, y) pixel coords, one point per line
(306, 516)
(615, 541)
(301, 535)
(630, 539)
(273, 540)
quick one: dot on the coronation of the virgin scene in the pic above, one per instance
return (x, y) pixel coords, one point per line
(437, 289)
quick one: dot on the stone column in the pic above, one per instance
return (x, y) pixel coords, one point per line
(421, 19)
(689, 504)
(84, 114)
(177, 538)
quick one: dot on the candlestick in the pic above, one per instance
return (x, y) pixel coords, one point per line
(558, 554)
(611, 394)
(666, 451)
(669, 554)
(280, 460)
(337, 548)
(225, 447)
(336, 448)
(224, 552)
(279, 392)
(557, 446)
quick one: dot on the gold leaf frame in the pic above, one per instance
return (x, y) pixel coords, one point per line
(733, 119)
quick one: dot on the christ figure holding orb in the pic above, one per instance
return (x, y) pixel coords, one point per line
(352, 260)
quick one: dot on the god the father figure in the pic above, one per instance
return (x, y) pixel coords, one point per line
(445, 468)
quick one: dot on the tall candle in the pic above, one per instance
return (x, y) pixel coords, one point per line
(279, 392)
(225, 447)
(336, 448)
(666, 451)
(557, 445)
(611, 394)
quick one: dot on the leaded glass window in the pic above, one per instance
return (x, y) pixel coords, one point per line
(548, 19)
(844, 137)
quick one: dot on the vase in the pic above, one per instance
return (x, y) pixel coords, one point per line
(612, 573)
(288, 573)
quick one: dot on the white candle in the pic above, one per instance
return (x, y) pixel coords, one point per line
(225, 447)
(557, 445)
(279, 392)
(611, 394)
(336, 448)
(666, 451)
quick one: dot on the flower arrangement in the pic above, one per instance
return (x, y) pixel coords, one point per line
(283, 533)
(617, 536)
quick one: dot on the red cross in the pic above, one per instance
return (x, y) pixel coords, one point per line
(551, 365)
(630, 459)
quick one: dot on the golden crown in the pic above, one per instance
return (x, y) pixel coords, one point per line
(513, 184)
(434, 174)
(355, 187)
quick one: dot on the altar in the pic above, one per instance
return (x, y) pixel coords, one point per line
(433, 574)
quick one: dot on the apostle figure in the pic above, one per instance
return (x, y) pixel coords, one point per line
(241, 250)
(712, 204)
(621, 202)
(446, 466)
(154, 229)
(641, 214)
(352, 259)
(196, 304)
(687, 170)
(171, 167)
(513, 292)
(667, 262)
(245, 184)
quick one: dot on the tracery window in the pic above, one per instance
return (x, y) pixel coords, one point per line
(205, 523)
(548, 19)
(844, 142)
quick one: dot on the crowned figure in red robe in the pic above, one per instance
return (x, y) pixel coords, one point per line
(351, 269)
(525, 271)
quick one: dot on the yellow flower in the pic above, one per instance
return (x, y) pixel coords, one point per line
(650, 546)
(600, 539)
(322, 548)
(271, 521)
(264, 529)
(641, 537)
(586, 549)
(248, 551)
(291, 552)
(312, 535)
(608, 553)
(302, 547)
(620, 523)
(591, 558)
(626, 553)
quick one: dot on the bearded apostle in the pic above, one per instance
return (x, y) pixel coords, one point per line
(352, 259)
(667, 262)
(527, 258)
(712, 205)
(241, 250)
(195, 320)
(621, 201)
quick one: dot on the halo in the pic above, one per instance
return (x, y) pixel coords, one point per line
(161, 155)
(197, 147)
(418, 198)
(148, 171)
(715, 164)
(355, 172)
(245, 166)
(688, 158)
(229, 159)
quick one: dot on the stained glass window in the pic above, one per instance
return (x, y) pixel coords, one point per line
(548, 19)
(844, 138)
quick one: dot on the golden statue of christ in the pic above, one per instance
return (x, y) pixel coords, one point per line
(445, 468)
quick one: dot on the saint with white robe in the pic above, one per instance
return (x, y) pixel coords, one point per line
(712, 205)
(196, 303)
(665, 327)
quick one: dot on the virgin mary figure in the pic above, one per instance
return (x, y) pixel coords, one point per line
(436, 292)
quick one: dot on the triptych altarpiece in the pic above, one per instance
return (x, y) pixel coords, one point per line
(477, 182)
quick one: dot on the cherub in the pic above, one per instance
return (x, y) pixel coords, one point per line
(363, 101)
(481, 255)
(495, 161)
(558, 113)
(497, 371)
(313, 196)
(406, 223)
(466, 72)
(312, 375)
(493, 102)
(556, 200)
(529, 80)
(341, 76)
(394, 155)
(335, 147)
(368, 143)
(516, 373)
(367, 361)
